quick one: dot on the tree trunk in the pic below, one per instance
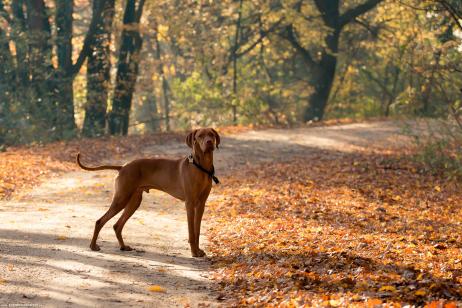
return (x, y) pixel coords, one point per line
(98, 73)
(322, 85)
(6, 85)
(325, 70)
(66, 127)
(18, 34)
(234, 56)
(43, 94)
(127, 68)
(322, 72)
(165, 87)
(41, 70)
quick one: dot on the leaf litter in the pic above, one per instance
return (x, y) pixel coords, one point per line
(335, 229)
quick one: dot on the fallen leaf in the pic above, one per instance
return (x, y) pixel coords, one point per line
(420, 292)
(387, 289)
(157, 288)
(373, 302)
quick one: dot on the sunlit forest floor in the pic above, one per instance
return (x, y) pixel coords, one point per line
(325, 216)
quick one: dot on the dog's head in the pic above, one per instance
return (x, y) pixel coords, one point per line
(207, 139)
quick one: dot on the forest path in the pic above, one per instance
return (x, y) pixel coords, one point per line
(44, 234)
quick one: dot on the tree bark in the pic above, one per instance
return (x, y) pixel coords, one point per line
(41, 71)
(98, 73)
(234, 56)
(164, 82)
(6, 85)
(127, 68)
(323, 80)
(66, 127)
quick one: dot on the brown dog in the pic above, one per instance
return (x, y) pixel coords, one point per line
(188, 179)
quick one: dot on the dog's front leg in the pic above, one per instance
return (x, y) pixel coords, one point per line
(190, 211)
(199, 211)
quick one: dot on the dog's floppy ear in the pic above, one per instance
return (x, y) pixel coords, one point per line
(217, 137)
(190, 138)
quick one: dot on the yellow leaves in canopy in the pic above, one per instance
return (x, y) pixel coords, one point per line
(162, 30)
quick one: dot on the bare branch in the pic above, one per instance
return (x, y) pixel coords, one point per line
(289, 35)
(89, 38)
(263, 34)
(453, 12)
(353, 13)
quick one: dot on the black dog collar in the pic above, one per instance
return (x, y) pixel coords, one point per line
(198, 166)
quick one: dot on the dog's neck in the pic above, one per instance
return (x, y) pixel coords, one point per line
(203, 159)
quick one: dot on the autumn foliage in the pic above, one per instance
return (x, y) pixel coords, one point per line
(336, 229)
(316, 228)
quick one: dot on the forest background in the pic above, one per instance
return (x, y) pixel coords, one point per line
(90, 68)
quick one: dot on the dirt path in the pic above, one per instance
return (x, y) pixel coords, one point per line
(44, 234)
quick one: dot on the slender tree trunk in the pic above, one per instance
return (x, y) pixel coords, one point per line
(66, 127)
(151, 101)
(127, 68)
(234, 51)
(41, 70)
(6, 85)
(18, 34)
(165, 87)
(6, 70)
(98, 73)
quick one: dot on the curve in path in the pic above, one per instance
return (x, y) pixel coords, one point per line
(44, 235)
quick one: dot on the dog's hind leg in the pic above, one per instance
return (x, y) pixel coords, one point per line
(131, 207)
(118, 203)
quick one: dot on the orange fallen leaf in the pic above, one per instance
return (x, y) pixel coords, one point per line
(420, 292)
(373, 302)
(157, 288)
(387, 289)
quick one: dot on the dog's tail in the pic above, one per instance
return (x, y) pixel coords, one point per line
(96, 168)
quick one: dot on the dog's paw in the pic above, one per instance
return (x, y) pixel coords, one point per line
(126, 248)
(198, 254)
(95, 247)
